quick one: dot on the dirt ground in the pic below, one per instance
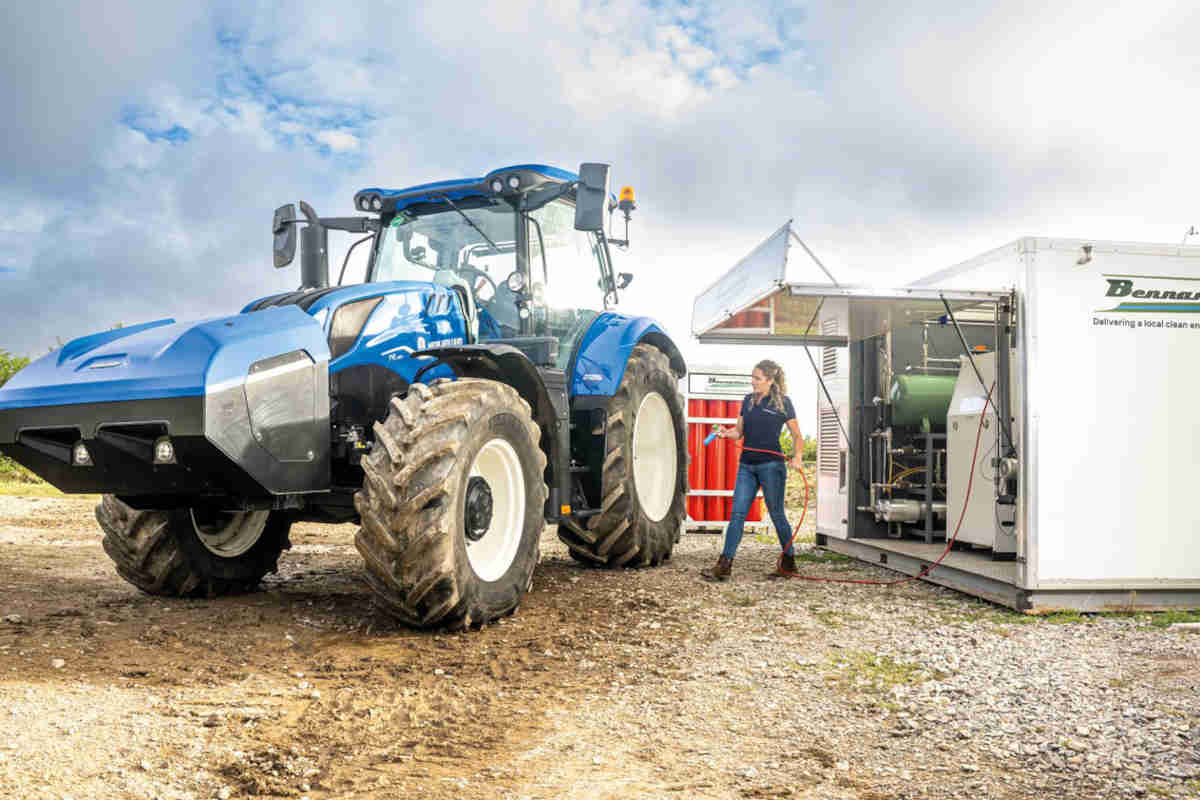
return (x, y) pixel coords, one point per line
(603, 684)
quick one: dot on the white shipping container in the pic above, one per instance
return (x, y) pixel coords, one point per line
(1104, 405)
(1110, 460)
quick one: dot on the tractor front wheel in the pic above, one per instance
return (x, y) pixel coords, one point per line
(192, 552)
(453, 504)
(644, 480)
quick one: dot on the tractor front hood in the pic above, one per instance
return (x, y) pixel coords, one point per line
(244, 400)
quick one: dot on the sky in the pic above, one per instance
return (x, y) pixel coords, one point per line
(146, 145)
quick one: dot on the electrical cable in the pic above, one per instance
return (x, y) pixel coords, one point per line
(924, 571)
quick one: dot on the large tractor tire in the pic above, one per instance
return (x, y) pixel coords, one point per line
(192, 552)
(453, 504)
(644, 482)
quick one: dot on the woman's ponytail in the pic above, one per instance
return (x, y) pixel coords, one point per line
(774, 373)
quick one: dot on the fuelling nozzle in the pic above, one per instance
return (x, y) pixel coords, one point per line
(708, 439)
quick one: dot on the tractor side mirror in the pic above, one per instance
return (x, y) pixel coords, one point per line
(591, 197)
(285, 235)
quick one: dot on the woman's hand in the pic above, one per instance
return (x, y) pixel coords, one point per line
(797, 462)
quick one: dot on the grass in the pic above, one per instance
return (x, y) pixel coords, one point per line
(741, 600)
(14, 472)
(975, 612)
(22, 489)
(835, 619)
(1163, 619)
(864, 671)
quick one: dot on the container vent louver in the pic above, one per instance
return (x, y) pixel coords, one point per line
(829, 327)
(827, 442)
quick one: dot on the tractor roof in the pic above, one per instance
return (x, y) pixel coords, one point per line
(530, 176)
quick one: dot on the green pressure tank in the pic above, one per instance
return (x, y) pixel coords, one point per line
(916, 398)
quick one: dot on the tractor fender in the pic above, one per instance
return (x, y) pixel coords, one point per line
(598, 364)
(506, 364)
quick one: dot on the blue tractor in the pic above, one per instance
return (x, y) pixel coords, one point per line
(451, 405)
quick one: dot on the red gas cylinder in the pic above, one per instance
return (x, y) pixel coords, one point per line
(697, 454)
(733, 408)
(716, 508)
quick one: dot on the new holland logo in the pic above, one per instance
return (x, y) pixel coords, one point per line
(1167, 295)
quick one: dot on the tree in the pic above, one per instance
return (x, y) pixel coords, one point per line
(10, 365)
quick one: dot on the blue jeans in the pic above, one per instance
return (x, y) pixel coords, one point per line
(771, 476)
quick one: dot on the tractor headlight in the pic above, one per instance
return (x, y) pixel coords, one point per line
(164, 451)
(364, 203)
(514, 182)
(497, 185)
(80, 456)
(515, 281)
(376, 203)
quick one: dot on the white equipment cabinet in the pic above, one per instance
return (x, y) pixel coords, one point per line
(985, 523)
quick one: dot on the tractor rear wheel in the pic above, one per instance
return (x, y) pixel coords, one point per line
(453, 504)
(644, 482)
(192, 552)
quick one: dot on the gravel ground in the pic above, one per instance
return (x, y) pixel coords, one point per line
(638, 683)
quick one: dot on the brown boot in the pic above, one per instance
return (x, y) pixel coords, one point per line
(719, 571)
(784, 568)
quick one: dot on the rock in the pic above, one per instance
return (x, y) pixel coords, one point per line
(749, 772)
(58, 663)
(1076, 745)
(1190, 627)
(224, 793)
(842, 766)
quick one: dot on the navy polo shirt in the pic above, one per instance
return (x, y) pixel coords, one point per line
(761, 424)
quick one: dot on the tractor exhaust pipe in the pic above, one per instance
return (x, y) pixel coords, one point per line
(314, 251)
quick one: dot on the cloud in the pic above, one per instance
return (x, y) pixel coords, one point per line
(338, 141)
(138, 175)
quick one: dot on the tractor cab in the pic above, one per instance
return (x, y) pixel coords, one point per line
(529, 261)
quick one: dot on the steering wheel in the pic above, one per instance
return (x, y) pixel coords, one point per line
(481, 283)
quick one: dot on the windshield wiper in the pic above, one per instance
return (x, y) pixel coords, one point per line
(470, 222)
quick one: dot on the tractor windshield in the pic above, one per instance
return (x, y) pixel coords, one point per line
(477, 245)
(557, 288)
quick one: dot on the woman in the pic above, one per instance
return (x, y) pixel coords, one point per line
(764, 413)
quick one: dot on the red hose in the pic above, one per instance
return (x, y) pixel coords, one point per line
(906, 579)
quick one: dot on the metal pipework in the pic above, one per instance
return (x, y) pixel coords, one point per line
(906, 510)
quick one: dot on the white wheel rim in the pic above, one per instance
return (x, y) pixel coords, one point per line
(233, 534)
(654, 456)
(493, 553)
